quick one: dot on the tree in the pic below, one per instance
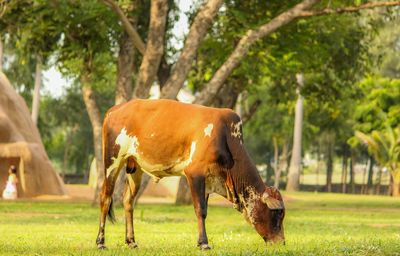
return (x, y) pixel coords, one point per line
(201, 23)
(376, 110)
(1, 54)
(85, 56)
(385, 147)
(36, 90)
(86, 48)
(295, 162)
(30, 28)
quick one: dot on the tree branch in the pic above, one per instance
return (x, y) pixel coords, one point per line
(299, 11)
(125, 69)
(133, 34)
(252, 110)
(348, 9)
(154, 48)
(211, 88)
(198, 30)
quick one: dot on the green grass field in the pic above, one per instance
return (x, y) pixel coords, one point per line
(315, 224)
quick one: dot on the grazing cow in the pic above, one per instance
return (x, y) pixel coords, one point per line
(168, 138)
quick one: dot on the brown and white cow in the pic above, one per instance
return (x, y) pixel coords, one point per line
(168, 138)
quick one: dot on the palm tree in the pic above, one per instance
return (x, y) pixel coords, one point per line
(385, 147)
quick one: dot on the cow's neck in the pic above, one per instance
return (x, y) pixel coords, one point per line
(244, 182)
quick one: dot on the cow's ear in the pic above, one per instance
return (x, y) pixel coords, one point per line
(273, 199)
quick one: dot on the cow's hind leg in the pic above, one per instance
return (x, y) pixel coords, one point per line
(132, 186)
(106, 201)
(198, 188)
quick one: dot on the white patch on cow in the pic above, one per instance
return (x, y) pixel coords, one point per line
(192, 150)
(152, 135)
(175, 168)
(236, 130)
(208, 130)
(181, 165)
(128, 146)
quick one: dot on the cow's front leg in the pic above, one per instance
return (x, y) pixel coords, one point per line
(132, 186)
(198, 189)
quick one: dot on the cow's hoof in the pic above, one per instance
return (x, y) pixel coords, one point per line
(204, 247)
(101, 247)
(132, 245)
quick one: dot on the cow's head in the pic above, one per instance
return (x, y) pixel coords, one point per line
(266, 213)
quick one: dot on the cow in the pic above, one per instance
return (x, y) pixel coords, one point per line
(168, 138)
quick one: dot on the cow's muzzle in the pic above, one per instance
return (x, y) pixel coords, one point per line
(276, 240)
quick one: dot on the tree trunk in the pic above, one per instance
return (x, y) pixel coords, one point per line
(364, 185)
(240, 101)
(352, 173)
(370, 175)
(250, 111)
(344, 172)
(227, 96)
(378, 182)
(95, 120)
(1, 54)
(293, 183)
(396, 185)
(126, 23)
(36, 91)
(125, 69)
(163, 72)
(68, 141)
(318, 165)
(269, 170)
(183, 196)
(276, 163)
(198, 30)
(154, 49)
(329, 163)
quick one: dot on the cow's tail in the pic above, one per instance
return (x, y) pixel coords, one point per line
(110, 213)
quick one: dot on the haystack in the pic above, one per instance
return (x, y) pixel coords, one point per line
(21, 145)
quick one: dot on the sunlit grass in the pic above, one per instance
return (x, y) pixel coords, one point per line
(316, 224)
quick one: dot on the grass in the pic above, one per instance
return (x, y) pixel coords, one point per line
(315, 224)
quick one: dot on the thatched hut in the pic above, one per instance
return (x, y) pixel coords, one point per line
(21, 145)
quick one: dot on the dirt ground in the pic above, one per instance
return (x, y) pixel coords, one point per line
(78, 192)
(152, 195)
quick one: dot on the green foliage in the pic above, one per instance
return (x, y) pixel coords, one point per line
(79, 36)
(64, 124)
(385, 147)
(29, 30)
(330, 52)
(323, 224)
(379, 105)
(270, 121)
(386, 47)
(31, 27)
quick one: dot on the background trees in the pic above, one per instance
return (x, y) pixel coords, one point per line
(237, 54)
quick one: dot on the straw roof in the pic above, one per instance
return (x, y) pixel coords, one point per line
(19, 138)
